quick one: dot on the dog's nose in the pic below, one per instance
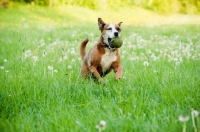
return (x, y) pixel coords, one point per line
(116, 34)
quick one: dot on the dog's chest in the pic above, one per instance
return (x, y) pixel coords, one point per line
(107, 59)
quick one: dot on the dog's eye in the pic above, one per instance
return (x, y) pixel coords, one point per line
(109, 29)
(118, 29)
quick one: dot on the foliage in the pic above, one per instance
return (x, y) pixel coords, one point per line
(166, 6)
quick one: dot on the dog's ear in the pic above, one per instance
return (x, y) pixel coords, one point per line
(119, 23)
(101, 23)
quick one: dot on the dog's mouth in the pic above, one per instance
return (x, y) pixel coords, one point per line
(109, 42)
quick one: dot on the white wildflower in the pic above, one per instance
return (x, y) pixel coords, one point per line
(175, 59)
(146, 63)
(165, 50)
(2, 67)
(149, 52)
(5, 60)
(27, 53)
(73, 51)
(180, 59)
(35, 58)
(183, 118)
(132, 59)
(155, 71)
(69, 67)
(154, 57)
(101, 126)
(65, 57)
(195, 113)
(61, 59)
(157, 50)
(193, 57)
(123, 52)
(50, 67)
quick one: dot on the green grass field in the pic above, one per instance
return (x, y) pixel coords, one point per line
(40, 88)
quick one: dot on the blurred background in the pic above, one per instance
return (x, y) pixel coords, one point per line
(160, 6)
(131, 12)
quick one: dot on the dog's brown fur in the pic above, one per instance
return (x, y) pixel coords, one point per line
(100, 60)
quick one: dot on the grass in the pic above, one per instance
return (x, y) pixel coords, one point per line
(40, 88)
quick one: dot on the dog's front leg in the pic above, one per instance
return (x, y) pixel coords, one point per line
(118, 72)
(94, 71)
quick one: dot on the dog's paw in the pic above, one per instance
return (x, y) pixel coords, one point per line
(101, 81)
(118, 77)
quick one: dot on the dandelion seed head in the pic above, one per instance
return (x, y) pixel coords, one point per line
(175, 59)
(102, 125)
(195, 113)
(73, 52)
(165, 50)
(35, 58)
(155, 71)
(55, 71)
(65, 57)
(27, 53)
(69, 67)
(149, 52)
(183, 118)
(2, 67)
(154, 57)
(5, 60)
(50, 67)
(193, 57)
(146, 63)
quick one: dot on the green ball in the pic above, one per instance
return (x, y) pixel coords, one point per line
(116, 42)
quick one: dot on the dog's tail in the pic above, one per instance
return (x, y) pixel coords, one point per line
(82, 48)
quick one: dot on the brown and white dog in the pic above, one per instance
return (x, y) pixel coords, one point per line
(102, 58)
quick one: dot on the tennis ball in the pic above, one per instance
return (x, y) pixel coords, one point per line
(116, 42)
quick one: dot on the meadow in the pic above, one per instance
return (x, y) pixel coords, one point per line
(40, 87)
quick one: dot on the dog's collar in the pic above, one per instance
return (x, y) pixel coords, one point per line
(108, 46)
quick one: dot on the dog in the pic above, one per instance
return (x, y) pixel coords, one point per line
(102, 58)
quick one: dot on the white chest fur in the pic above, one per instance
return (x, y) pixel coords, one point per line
(107, 59)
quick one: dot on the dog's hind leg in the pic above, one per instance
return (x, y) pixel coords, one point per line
(84, 71)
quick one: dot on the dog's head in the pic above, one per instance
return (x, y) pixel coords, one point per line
(109, 31)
